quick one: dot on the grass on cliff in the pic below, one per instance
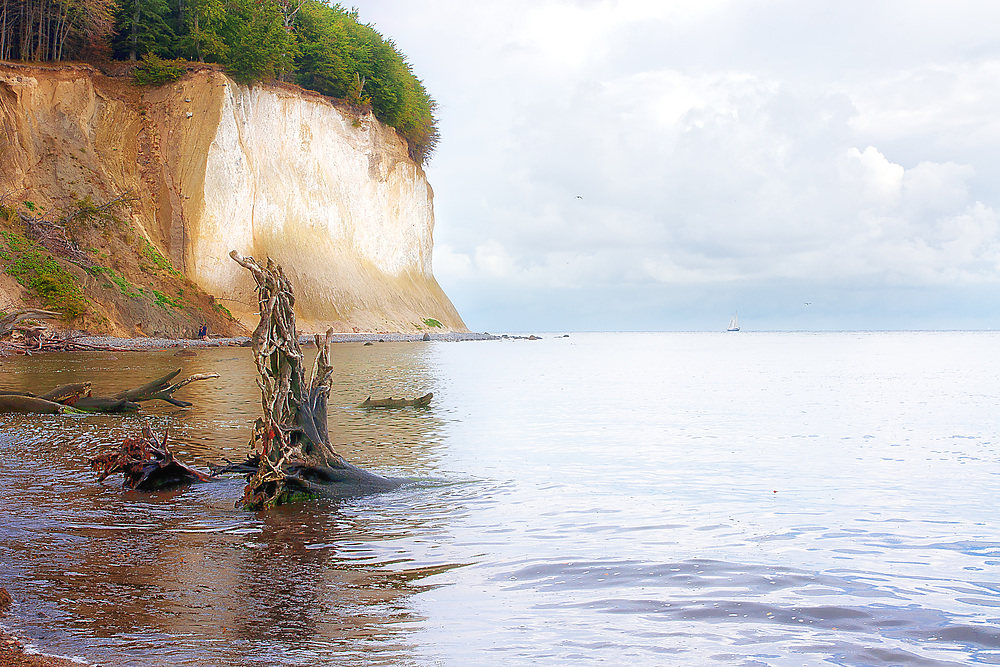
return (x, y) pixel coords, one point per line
(37, 270)
(136, 285)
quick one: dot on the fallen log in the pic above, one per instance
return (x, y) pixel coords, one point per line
(29, 405)
(78, 396)
(162, 389)
(105, 404)
(67, 394)
(8, 322)
(291, 457)
(146, 464)
(419, 402)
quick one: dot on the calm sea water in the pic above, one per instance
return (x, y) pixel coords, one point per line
(620, 499)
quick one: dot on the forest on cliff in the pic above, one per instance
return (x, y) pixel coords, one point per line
(321, 47)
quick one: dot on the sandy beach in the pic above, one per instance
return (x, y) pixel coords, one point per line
(12, 651)
(12, 654)
(113, 343)
(304, 339)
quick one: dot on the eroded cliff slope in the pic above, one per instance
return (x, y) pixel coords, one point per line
(213, 166)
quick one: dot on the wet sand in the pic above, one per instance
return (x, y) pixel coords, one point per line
(12, 655)
(12, 651)
(131, 344)
(167, 343)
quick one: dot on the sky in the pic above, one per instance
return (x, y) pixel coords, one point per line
(658, 165)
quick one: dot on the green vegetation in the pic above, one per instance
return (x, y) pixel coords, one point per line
(155, 71)
(340, 57)
(158, 260)
(123, 285)
(163, 300)
(431, 322)
(38, 271)
(222, 309)
(322, 47)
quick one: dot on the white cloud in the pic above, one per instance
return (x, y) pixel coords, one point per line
(612, 145)
(881, 180)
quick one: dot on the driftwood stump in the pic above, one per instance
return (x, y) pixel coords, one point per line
(290, 452)
(146, 463)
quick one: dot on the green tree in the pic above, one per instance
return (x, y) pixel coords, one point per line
(143, 26)
(340, 57)
(258, 45)
(203, 19)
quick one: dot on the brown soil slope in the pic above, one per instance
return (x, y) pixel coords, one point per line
(84, 228)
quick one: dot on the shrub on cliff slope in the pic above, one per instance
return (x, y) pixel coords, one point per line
(154, 70)
(37, 270)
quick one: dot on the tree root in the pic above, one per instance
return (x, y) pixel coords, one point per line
(146, 463)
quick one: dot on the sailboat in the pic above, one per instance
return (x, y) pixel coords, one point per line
(734, 324)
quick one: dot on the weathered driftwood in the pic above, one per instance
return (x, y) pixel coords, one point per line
(419, 402)
(290, 453)
(67, 393)
(146, 463)
(9, 322)
(18, 403)
(162, 389)
(43, 343)
(78, 396)
(105, 404)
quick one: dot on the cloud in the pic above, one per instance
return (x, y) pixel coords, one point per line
(739, 148)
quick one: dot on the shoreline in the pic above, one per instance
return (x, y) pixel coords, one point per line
(15, 653)
(304, 339)
(118, 344)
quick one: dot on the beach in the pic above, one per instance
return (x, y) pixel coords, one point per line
(115, 344)
(12, 654)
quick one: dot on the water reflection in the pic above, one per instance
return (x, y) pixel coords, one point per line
(182, 576)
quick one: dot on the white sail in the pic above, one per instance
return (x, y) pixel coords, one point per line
(734, 323)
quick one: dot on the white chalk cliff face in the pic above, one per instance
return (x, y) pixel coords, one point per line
(332, 198)
(212, 166)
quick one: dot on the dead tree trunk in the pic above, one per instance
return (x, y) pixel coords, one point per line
(290, 452)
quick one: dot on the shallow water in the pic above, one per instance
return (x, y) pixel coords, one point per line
(642, 499)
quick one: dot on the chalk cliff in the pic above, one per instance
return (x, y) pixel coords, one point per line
(271, 171)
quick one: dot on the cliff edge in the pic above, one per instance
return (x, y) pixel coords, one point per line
(206, 166)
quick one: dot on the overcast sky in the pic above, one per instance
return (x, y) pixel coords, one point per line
(658, 164)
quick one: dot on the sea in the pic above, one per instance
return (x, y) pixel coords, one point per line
(750, 498)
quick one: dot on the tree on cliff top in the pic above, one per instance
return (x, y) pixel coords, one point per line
(320, 46)
(258, 47)
(337, 52)
(39, 30)
(143, 27)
